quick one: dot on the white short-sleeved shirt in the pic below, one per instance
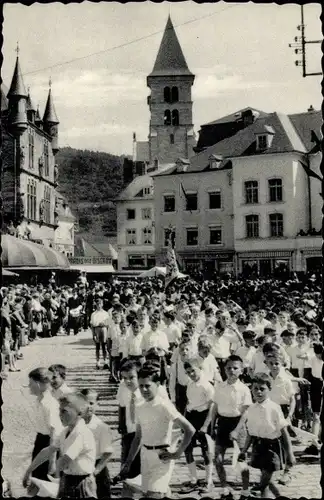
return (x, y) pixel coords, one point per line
(257, 362)
(231, 398)
(62, 391)
(200, 394)
(156, 419)
(265, 420)
(173, 333)
(80, 447)
(220, 347)
(99, 318)
(123, 345)
(133, 345)
(258, 329)
(210, 369)
(282, 389)
(114, 336)
(246, 354)
(124, 396)
(156, 338)
(48, 415)
(299, 364)
(102, 435)
(316, 366)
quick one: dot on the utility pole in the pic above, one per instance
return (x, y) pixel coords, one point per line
(300, 46)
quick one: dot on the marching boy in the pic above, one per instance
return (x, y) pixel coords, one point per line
(267, 432)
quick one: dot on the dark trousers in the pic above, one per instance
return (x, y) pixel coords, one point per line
(135, 468)
(103, 483)
(41, 442)
(77, 486)
(181, 398)
(74, 324)
(221, 364)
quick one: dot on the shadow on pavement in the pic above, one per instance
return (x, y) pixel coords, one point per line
(83, 341)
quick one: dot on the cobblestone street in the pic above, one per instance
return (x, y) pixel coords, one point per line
(77, 354)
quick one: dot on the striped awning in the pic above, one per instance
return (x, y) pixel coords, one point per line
(104, 268)
(23, 254)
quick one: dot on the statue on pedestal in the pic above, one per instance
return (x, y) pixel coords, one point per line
(56, 173)
(41, 166)
(42, 211)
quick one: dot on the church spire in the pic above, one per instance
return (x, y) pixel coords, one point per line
(170, 59)
(17, 97)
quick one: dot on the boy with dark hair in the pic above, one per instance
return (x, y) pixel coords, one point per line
(59, 386)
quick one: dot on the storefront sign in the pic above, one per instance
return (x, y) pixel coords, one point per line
(90, 260)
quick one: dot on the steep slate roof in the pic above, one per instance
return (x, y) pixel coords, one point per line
(95, 249)
(170, 59)
(50, 115)
(4, 99)
(233, 116)
(290, 134)
(141, 182)
(17, 87)
(304, 123)
(30, 105)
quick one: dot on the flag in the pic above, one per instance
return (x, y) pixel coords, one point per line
(185, 195)
(311, 172)
(172, 269)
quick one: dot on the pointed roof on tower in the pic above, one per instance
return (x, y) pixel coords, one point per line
(38, 118)
(17, 87)
(170, 59)
(30, 105)
(50, 115)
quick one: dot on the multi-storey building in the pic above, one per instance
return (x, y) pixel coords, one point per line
(30, 173)
(195, 199)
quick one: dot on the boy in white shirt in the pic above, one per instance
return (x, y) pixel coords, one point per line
(200, 397)
(59, 386)
(102, 435)
(134, 342)
(209, 365)
(113, 346)
(155, 419)
(247, 352)
(267, 430)
(178, 379)
(155, 337)
(231, 399)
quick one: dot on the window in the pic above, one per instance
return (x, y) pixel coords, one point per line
(169, 203)
(191, 201)
(252, 226)
(275, 189)
(31, 200)
(166, 237)
(146, 213)
(215, 200)
(131, 214)
(175, 117)
(167, 94)
(147, 191)
(136, 261)
(131, 237)
(31, 149)
(167, 117)
(47, 204)
(215, 236)
(262, 142)
(251, 192)
(46, 159)
(171, 138)
(174, 94)
(147, 236)
(192, 237)
(276, 225)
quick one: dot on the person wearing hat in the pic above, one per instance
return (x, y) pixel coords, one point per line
(309, 307)
(77, 447)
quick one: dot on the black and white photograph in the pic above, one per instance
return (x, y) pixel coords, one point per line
(161, 250)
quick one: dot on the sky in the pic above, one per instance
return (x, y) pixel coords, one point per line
(99, 54)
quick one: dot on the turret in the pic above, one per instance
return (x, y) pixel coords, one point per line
(31, 110)
(17, 101)
(50, 121)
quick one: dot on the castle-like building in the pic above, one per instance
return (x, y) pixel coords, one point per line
(30, 203)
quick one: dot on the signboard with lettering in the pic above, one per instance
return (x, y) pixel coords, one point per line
(90, 260)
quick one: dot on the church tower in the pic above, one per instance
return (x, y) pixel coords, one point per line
(171, 134)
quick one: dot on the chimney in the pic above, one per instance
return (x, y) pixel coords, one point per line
(310, 109)
(247, 117)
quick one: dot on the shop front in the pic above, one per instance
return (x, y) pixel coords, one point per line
(208, 263)
(271, 263)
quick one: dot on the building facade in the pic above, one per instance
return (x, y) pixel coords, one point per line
(198, 205)
(30, 172)
(64, 233)
(251, 203)
(135, 225)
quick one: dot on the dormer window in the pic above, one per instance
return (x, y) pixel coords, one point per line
(215, 162)
(264, 138)
(262, 142)
(147, 191)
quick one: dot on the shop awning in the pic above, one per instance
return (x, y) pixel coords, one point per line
(23, 254)
(105, 268)
(5, 272)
